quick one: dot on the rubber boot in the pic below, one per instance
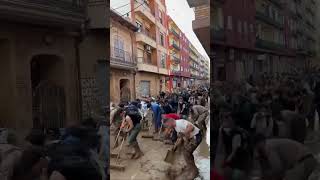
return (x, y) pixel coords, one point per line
(191, 166)
(138, 152)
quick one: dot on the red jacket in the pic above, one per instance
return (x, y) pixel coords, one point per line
(172, 116)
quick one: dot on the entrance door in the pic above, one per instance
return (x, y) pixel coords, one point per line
(125, 93)
(145, 88)
(48, 96)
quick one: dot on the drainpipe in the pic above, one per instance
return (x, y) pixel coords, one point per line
(78, 40)
(133, 59)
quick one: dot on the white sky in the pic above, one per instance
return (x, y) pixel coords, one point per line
(183, 16)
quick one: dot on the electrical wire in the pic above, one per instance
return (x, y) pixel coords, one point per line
(121, 6)
(133, 9)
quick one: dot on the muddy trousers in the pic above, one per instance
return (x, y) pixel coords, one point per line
(201, 121)
(189, 147)
(302, 170)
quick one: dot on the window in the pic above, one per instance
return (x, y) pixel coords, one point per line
(163, 60)
(139, 25)
(245, 28)
(118, 47)
(239, 27)
(251, 28)
(160, 17)
(162, 39)
(148, 57)
(145, 88)
(230, 22)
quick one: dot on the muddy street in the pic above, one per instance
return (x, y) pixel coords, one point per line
(152, 164)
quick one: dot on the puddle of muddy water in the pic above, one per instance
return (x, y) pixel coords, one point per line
(202, 157)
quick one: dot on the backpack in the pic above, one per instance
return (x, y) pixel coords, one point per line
(134, 113)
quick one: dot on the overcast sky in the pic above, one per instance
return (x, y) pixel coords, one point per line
(183, 16)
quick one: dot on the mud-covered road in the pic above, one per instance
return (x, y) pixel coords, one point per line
(151, 165)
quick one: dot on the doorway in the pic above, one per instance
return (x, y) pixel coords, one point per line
(125, 93)
(48, 96)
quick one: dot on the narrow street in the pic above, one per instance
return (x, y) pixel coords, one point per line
(152, 164)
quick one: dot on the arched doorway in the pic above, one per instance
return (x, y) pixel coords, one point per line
(48, 96)
(125, 92)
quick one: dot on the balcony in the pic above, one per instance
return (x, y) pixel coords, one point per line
(174, 33)
(175, 59)
(218, 35)
(196, 3)
(144, 10)
(192, 59)
(264, 44)
(121, 59)
(146, 38)
(279, 3)
(267, 19)
(176, 72)
(147, 67)
(163, 71)
(174, 45)
(56, 13)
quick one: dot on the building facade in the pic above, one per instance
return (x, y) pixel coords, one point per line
(122, 58)
(152, 46)
(39, 74)
(179, 56)
(94, 64)
(250, 37)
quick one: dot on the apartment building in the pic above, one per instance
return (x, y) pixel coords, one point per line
(250, 37)
(122, 58)
(152, 46)
(179, 56)
(194, 61)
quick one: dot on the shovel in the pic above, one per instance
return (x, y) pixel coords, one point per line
(116, 141)
(170, 153)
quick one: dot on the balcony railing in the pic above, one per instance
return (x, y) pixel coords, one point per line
(193, 51)
(175, 33)
(64, 12)
(147, 33)
(175, 59)
(264, 16)
(260, 43)
(176, 72)
(278, 3)
(218, 35)
(174, 45)
(121, 58)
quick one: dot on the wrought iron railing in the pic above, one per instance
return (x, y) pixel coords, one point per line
(147, 33)
(175, 46)
(174, 32)
(121, 57)
(266, 18)
(268, 44)
(176, 59)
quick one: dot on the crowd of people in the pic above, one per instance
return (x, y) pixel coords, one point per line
(180, 118)
(261, 125)
(77, 152)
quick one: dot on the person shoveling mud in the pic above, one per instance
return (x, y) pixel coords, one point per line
(192, 137)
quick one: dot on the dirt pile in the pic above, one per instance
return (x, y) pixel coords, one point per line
(153, 165)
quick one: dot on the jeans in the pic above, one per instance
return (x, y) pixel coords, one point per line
(134, 133)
